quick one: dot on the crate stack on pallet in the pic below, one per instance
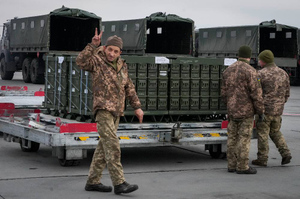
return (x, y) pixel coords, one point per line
(56, 83)
(183, 87)
(80, 90)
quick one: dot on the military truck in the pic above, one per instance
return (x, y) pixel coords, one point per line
(279, 38)
(158, 33)
(25, 41)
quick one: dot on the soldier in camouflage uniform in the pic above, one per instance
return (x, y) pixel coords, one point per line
(242, 93)
(111, 85)
(276, 91)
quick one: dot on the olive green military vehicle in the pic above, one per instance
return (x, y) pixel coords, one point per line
(224, 42)
(158, 33)
(25, 41)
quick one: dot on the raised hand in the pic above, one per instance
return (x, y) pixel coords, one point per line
(96, 40)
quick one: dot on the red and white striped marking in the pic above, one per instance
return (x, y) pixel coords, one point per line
(291, 114)
(14, 88)
(19, 91)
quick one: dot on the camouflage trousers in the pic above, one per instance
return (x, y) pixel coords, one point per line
(108, 151)
(238, 143)
(270, 126)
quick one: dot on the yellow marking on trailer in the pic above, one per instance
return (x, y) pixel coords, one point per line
(143, 137)
(124, 138)
(199, 135)
(83, 138)
(215, 135)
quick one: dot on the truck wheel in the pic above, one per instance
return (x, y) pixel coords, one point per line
(67, 163)
(36, 78)
(5, 75)
(34, 146)
(26, 70)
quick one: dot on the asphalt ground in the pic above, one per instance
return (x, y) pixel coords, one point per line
(160, 172)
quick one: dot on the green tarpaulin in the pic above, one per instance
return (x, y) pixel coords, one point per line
(73, 12)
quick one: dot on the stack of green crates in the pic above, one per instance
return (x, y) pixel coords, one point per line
(174, 87)
(222, 104)
(132, 71)
(74, 87)
(163, 88)
(184, 103)
(151, 84)
(195, 87)
(80, 89)
(204, 87)
(182, 86)
(214, 86)
(56, 84)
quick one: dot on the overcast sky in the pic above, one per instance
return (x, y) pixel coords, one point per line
(209, 13)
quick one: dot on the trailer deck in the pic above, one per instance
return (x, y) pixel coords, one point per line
(71, 139)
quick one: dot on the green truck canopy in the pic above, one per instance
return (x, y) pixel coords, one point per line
(225, 41)
(64, 29)
(73, 12)
(162, 17)
(157, 34)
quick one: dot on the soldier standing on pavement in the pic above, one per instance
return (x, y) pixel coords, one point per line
(242, 93)
(111, 85)
(276, 91)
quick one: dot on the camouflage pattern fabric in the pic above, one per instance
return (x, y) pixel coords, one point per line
(276, 91)
(241, 90)
(270, 126)
(276, 88)
(108, 150)
(110, 86)
(238, 143)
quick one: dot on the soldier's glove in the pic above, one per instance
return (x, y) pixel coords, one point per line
(261, 117)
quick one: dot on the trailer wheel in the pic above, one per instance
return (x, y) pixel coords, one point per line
(216, 153)
(67, 163)
(26, 70)
(5, 75)
(36, 78)
(34, 146)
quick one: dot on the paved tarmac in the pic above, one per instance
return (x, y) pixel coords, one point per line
(160, 172)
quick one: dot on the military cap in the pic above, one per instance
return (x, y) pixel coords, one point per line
(266, 56)
(114, 41)
(245, 52)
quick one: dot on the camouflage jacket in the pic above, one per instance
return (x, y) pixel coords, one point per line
(276, 88)
(241, 91)
(110, 86)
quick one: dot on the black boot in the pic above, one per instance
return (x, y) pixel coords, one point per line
(98, 187)
(249, 171)
(125, 187)
(259, 162)
(286, 160)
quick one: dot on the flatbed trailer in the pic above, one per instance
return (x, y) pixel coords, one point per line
(70, 140)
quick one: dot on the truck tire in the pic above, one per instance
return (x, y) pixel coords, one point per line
(36, 78)
(26, 70)
(5, 75)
